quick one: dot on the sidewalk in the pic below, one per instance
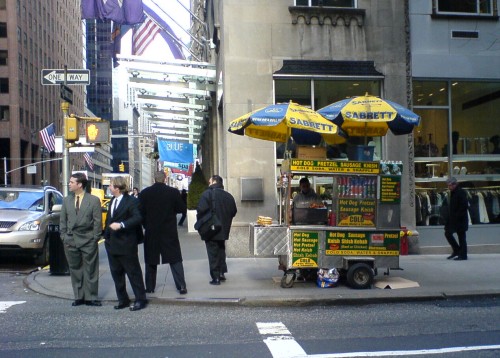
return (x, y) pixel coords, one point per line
(256, 281)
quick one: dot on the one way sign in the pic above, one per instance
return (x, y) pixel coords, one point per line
(73, 77)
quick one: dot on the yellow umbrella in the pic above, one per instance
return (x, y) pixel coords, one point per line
(279, 122)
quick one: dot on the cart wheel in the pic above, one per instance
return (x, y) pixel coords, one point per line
(360, 276)
(288, 280)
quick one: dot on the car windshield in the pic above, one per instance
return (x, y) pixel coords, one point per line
(21, 200)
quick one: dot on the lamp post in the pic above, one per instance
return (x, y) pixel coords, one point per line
(42, 157)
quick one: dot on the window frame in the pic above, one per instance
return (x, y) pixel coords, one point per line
(316, 3)
(492, 7)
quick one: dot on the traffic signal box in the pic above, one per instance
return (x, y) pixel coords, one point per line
(71, 133)
(97, 132)
(121, 167)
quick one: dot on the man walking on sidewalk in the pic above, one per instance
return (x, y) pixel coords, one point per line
(225, 209)
(456, 220)
(160, 205)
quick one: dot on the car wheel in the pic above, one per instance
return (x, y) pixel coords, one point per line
(43, 258)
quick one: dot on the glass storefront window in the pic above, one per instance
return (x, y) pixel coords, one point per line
(459, 136)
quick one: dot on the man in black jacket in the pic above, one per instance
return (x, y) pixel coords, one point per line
(123, 233)
(159, 205)
(225, 209)
(457, 220)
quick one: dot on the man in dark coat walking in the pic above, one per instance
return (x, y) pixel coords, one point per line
(456, 220)
(159, 206)
(225, 209)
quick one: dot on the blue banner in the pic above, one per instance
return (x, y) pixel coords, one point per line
(175, 152)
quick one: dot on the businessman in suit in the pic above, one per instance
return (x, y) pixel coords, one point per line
(80, 228)
(123, 233)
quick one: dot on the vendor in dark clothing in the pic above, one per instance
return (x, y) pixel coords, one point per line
(306, 195)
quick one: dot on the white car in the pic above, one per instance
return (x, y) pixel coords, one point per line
(25, 216)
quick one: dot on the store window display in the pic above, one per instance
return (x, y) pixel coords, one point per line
(455, 139)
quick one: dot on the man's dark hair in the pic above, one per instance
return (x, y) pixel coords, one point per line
(217, 179)
(80, 178)
(304, 181)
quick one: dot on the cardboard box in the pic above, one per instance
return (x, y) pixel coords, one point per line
(306, 152)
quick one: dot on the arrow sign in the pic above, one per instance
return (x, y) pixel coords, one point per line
(73, 77)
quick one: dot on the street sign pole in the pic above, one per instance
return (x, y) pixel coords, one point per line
(65, 166)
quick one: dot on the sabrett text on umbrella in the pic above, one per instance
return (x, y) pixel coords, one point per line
(369, 115)
(316, 125)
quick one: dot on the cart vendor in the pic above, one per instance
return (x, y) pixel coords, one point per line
(306, 196)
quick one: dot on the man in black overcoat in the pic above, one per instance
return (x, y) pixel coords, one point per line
(225, 209)
(457, 220)
(123, 233)
(159, 205)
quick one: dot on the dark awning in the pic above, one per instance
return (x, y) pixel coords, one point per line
(314, 68)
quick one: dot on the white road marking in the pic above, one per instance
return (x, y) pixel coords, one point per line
(281, 344)
(6, 304)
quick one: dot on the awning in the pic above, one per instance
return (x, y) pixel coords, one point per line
(173, 96)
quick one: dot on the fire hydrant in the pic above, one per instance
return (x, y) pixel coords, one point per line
(404, 233)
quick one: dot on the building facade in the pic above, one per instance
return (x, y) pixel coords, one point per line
(283, 50)
(456, 91)
(35, 35)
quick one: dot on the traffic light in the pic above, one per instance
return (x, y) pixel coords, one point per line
(121, 167)
(71, 130)
(97, 132)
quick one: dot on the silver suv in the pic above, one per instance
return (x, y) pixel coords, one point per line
(25, 214)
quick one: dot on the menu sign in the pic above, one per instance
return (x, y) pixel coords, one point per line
(305, 248)
(330, 166)
(356, 212)
(390, 189)
(362, 243)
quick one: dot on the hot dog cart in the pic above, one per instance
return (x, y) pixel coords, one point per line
(353, 227)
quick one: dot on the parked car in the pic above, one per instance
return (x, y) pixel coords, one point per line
(25, 214)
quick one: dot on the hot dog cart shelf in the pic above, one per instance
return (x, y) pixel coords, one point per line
(355, 228)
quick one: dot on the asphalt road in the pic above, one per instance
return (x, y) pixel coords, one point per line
(35, 325)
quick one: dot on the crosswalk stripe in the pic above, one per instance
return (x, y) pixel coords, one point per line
(6, 304)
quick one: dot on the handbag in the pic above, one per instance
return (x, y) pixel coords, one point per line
(209, 224)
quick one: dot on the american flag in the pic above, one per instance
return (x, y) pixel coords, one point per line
(48, 135)
(143, 35)
(88, 159)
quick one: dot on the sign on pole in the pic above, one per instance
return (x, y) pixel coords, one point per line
(73, 77)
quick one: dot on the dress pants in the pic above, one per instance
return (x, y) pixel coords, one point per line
(216, 251)
(177, 273)
(459, 248)
(121, 265)
(83, 264)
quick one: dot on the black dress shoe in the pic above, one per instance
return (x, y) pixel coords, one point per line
(77, 303)
(150, 291)
(215, 281)
(94, 303)
(183, 291)
(222, 277)
(451, 256)
(122, 305)
(138, 305)
(460, 259)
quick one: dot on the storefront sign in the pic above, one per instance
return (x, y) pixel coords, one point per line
(390, 189)
(330, 166)
(362, 243)
(356, 212)
(305, 248)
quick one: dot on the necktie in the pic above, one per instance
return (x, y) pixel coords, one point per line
(77, 206)
(114, 207)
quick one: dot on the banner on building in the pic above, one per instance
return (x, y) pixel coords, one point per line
(175, 152)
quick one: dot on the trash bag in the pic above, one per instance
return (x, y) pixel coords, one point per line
(327, 278)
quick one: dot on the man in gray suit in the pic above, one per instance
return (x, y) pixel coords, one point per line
(80, 228)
